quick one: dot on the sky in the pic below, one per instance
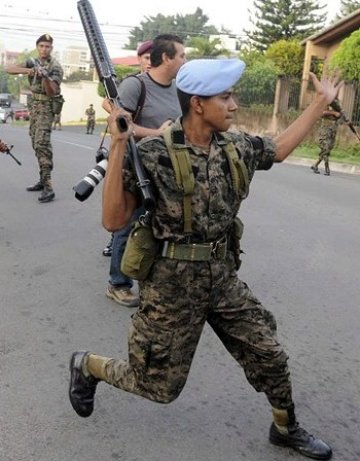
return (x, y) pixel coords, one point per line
(23, 21)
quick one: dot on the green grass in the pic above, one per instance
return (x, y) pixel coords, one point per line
(350, 155)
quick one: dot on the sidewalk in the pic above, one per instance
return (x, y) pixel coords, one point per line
(334, 166)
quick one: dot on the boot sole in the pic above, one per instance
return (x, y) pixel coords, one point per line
(47, 199)
(280, 443)
(75, 363)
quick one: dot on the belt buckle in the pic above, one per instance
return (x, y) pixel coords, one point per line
(165, 248)
(214, 247)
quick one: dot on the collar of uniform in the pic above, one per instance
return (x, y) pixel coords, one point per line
(45, 61)
(178, 136)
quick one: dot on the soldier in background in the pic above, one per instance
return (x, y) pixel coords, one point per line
(90, 125)
(330, 121)
(45, 76)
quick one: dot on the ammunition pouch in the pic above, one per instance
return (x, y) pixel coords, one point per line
(57, 103)
(140, 252)
(235, 235)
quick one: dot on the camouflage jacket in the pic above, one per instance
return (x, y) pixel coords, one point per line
(215, 203)
(56, 73)
(90, 113)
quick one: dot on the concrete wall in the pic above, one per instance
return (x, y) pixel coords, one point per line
(78, 96)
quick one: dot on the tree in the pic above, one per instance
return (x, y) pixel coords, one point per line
(183, 26)
(203, 47)
(347, 57)
(288, 57)
(14, 84)
(347, 7)
(4, 81)
(284, 19)
(257, 85)
(121, 72)
(79, 75)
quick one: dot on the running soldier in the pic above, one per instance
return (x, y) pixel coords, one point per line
(200, 173)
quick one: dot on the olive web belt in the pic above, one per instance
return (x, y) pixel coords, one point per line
(195, 251)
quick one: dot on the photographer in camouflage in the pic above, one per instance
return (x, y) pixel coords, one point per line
(45, 76)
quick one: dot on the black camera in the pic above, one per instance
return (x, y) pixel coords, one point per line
(85, 187)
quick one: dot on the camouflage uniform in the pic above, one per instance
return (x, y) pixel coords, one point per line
(179, 296)
(326, 140)
(41, 120)
(90, 113)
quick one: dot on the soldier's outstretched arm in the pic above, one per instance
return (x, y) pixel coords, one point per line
(326, 91)
(17, 70)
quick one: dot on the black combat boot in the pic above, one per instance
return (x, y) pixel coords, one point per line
(315, 169)
(47, 195)
(285, 431)
(327, 170)
(36, 187)
(82, 388)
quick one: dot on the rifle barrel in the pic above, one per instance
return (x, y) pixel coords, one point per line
(337, 107)
(107, 76)
(11, 155)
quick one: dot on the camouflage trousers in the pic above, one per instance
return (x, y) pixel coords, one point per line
(90, 125)
(175, 302)
(326, 142)
(41, 120)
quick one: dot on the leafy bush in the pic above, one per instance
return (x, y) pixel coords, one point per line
(288, 56)
(347, 57)
(121, 72)
(257, 85)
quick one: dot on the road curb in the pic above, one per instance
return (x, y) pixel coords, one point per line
(334, 166)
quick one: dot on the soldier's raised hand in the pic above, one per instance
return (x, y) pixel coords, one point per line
(328, 87)
(3, 146)
(120, 124)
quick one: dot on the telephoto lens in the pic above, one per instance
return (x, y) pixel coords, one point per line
(85, 187)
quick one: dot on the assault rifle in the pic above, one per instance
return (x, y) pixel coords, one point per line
(40, 71)
(107, 76)
(7, 151)
(337, 107)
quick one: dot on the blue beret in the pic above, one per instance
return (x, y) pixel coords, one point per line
(208, 77)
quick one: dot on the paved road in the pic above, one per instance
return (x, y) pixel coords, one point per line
(302, 260)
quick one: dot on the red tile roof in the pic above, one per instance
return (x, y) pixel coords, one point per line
(126, 61)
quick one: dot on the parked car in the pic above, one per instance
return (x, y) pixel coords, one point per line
(22, 114)
(6, 114)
